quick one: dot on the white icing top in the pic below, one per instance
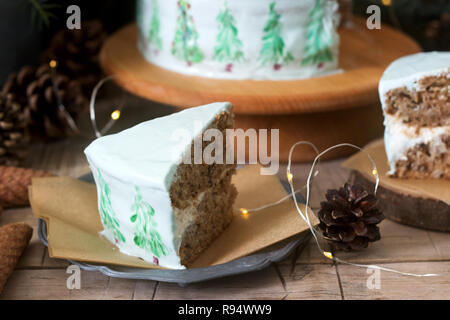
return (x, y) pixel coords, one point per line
(138, 164)
(149, 152)
(406, 71)
(240, 39)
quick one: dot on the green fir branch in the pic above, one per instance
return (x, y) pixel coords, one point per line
(44, 12)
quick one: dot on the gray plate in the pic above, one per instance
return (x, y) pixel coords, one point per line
(253, 262)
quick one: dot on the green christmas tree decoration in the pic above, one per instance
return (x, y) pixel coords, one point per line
(318, 40)
(273, 45)
(154, 37)
(184, 45)
(145, 234)
(107, 213)
(228, 45)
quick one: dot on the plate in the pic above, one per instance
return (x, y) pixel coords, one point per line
(254, 262)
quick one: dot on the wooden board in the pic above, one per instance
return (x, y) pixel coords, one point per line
(364, 54)
(416, 202)
(415, 211)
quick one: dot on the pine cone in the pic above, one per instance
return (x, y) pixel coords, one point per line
(14, 238)
(349, 217)
(14, 136)
(77, 52)
(14, 184)
(33, 89)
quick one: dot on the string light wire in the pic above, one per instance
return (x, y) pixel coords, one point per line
(115, 115)
(62, 109)
(312, 174)
(305, 216)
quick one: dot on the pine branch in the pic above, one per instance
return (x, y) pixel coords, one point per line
(43, 10)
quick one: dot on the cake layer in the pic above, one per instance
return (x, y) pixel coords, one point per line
(427, 105)
(414, 93)
(202, 197)
(417, 152)
(209, 219)
(240, 39)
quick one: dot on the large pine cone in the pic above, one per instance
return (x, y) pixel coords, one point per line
(13, 131)
(33, 89)
(77, 53)
(349, 218)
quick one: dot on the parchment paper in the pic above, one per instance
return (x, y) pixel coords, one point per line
(69, 206)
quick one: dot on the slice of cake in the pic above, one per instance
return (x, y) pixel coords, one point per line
(154, 202)
(240, 39)
(414, 92)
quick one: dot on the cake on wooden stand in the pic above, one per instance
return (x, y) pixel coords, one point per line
(414, 158)
(270, 69)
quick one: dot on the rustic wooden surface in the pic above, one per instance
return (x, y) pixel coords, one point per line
(304, 275)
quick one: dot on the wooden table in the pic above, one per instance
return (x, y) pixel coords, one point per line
(304, 275)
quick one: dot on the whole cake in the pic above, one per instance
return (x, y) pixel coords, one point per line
(414, 92)
(240, 39)
(154, 201)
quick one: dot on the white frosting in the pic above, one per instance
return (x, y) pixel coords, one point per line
(147, 156)
(405, 72)
(398, 138)
(250, 19)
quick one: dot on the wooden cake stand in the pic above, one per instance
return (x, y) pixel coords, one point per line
(327, 110)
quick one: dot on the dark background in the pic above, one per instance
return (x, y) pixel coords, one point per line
(23, 41)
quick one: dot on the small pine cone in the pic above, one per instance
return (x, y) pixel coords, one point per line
(77, 52)
(14, 120)
(46, 117)
(349, 218)
(14, 183)
(14, 238)
(34, 88)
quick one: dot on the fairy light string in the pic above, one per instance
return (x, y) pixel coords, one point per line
(61, 108)
(115, 115)
(305, 215)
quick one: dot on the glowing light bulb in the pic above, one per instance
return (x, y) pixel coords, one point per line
(290, 176)
(244, 211)
(374, 172)
(53, 63)
(115, 114)
(327, 254)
